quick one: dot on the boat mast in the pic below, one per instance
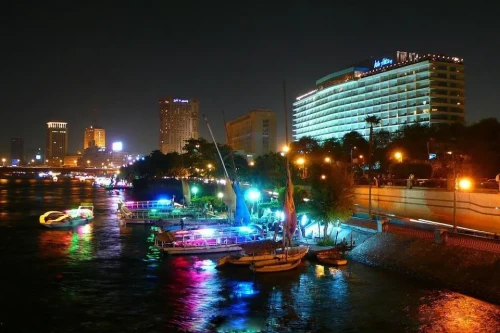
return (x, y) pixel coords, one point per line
(231, 150)
(216, 146)
(285, 226)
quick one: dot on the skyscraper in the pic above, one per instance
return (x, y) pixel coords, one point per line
(94, 137)
(179, 121)
(253, 133)
(17, 151)
(56, 144)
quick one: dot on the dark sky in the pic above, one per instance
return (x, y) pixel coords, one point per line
(59, 62)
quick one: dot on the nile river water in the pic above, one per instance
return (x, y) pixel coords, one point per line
(108, 277)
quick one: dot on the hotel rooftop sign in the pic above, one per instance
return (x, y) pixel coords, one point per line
(382, 62)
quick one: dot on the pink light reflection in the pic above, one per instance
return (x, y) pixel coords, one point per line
(195, 291)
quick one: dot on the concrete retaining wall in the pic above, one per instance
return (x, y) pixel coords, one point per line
(479, 211)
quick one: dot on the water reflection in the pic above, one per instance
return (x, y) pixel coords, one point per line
(81, 243)
(54, 243)
(108, 277)
(452, 312)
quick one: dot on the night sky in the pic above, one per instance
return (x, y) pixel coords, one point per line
(59, 62)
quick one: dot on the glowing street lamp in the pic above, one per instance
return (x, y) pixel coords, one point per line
(3, 161)
(194, 190)
(399, 157)
(254, 196)
(220, 195)
(328, 159)
(252, 163)
(464, 184)
(286, 149)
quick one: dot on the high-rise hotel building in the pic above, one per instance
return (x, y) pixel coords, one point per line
(179, 121)
(253, 133)
(402, 88)
(94, 137)
(56, 142)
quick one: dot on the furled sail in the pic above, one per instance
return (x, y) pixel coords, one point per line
(186, 192)
(289, 207)
(241, 214)
(229, 197)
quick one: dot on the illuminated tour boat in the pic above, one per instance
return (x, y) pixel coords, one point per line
(206, 240)
(69, 218)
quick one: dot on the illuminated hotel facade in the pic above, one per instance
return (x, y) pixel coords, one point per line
(179, 121)
(94, 137)
(403, 88)
(253, 133)
(56, 143)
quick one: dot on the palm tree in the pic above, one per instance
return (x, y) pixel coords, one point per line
(371, 120)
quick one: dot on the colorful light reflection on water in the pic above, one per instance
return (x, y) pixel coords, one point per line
(108, 277)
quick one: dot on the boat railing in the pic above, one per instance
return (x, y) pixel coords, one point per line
(148, 204)
(149, 214)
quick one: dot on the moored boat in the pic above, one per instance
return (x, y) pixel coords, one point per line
(272, 266)
(332, 261)
(206, 240)
(290, 254)
(331, 258)
(70, 218)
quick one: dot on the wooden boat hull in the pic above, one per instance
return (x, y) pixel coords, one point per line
(270, 267)
(246, 260)
(332, 261)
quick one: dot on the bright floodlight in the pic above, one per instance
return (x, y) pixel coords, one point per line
(253, 194)
(117, 146)
(220, 195)
(194, 189)
(464, 184)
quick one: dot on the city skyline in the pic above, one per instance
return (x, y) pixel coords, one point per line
(231, 61)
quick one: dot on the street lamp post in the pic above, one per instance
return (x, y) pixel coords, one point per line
(3, 161)
(464, 184)
(351, 153)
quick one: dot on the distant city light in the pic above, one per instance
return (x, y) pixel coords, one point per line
(117, 146)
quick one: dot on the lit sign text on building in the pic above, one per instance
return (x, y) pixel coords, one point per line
(383, 62)
(178, 100)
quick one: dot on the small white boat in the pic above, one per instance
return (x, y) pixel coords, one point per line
(70, 218)
(272, 266)
(290, 254)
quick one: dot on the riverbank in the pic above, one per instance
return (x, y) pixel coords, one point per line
(462, 269)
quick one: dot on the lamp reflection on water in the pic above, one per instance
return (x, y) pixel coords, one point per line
(453, 312)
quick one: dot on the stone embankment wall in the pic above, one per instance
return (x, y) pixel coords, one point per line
(460, 268)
